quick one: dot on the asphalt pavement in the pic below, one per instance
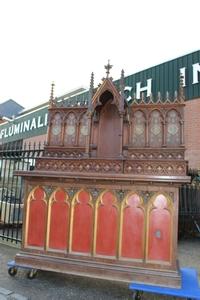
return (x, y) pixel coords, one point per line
(56, 286)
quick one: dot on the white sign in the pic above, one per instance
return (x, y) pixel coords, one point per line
(196, 70)
(24, 126)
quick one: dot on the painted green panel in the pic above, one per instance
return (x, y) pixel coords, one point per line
(162, 80)
(170, 79)
(196, 87)
(166, 76)
(166, 80)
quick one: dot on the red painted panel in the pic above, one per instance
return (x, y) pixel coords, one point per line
(59, 220)
(133, 229)
(37, 219)
(159, 231)
(82, 225)
(106, 243)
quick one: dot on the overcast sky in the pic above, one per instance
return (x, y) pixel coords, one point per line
(64, 41)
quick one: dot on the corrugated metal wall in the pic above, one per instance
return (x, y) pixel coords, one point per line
(165, 77)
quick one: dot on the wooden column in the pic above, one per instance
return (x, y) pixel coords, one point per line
(88, 138)
(182, 132)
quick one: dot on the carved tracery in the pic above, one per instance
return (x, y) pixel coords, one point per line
(83, 130)
(70, 130)
(155, 129)
(56, 129)
(173, 136)
(138, 129)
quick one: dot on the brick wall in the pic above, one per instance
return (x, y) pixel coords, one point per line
(192, 133)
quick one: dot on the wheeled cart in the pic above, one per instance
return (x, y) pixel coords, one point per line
(13, 268)
(189, 289)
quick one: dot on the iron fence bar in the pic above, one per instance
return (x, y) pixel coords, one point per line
(7, 204)
(19, 180)
(11, 154)
(16, 203)
(189, 213)
(4, 166)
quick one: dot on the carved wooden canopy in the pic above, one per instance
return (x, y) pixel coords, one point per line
(108, 136)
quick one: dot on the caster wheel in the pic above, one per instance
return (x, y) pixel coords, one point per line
(12, 271)
(137, 295)
(31, 274)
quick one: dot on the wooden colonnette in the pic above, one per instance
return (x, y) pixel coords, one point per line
(103, 199)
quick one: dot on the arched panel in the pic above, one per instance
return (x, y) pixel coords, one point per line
(82, 223)
(173, 136)
(37, 215)
(70, 130)
(109, 131)
(155, 129)
(83, 132)
(159, 230)
(56, 129)
(107, 225)
(132, 228)
(59, 220)
(138, 129)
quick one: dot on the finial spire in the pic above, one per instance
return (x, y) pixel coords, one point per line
(122, 75)
(108, 67)
(122, 81)
(51, 100)
(122, 86)
(91, 92)
(92, 81)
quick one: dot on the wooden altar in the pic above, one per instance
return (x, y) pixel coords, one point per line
(103, 199)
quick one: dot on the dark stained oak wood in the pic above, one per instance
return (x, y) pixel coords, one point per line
(103, 199)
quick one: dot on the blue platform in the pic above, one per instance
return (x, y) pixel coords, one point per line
(190, 288)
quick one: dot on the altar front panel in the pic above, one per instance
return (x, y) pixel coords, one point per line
(133, 224)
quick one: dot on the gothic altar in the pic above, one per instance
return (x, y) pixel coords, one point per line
(102, 201)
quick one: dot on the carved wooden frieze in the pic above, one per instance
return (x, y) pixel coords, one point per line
(160, 168)
(142, 167)
(65, 153)
(83, 165)
(158, 154)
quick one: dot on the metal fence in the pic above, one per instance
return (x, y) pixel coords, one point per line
(189, 209)
(13, 157)
(20, 156)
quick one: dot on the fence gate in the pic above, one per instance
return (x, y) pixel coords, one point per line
(14, 157)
